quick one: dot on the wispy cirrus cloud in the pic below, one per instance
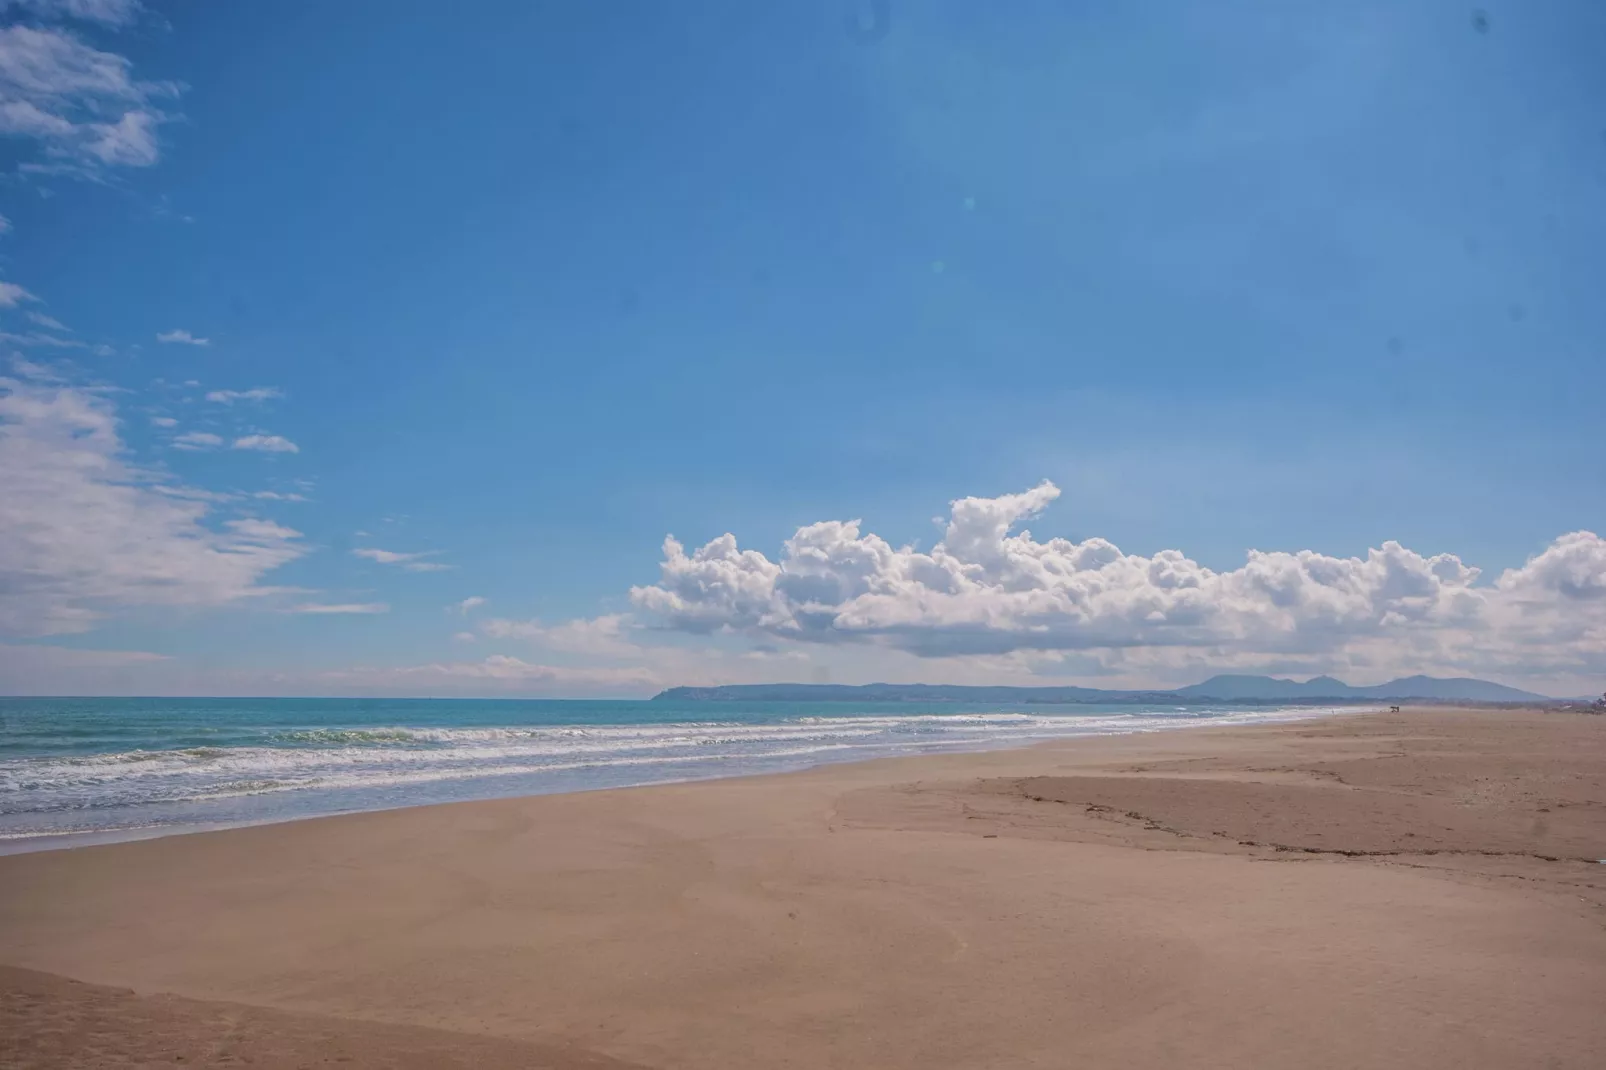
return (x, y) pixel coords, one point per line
(499, 672)
(256, 393)
(113, 13)
(415, 562)
(279, 496)
(85, 531)
(40, 338)
(265, 444)
(48, 322)
(163, 421)
(340, 608)
(257, 528)
(604, 635)
(12, 295)
(82, 107)
(197, 440)
(182, 337)
(462, 608)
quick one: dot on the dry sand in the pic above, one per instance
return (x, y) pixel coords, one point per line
(1413, 890)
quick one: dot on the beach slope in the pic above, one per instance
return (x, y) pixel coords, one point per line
(1412, 890)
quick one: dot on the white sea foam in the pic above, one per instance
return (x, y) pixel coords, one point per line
(392, 761)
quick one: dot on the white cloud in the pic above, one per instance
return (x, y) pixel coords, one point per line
(84, 531)
(266, 444)
(82, 106)
(411, 562)
(40, 669)
(985, 591)
(67, 657)
(129, 142)
(473, 601)
(11, 295)
(603, 635)
(5, 225)
(384, 557)
(255, 528)
(341, 608)
(258, 393)
(197, 440)
(181, 337)
(39, 338)
(43, 320)
(464, 637)
(114, 13)
(279, 496)
(163, 421)
(497, 672)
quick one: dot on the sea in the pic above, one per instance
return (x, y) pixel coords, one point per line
(87, 770)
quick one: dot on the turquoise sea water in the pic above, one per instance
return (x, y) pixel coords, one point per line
(85, 770)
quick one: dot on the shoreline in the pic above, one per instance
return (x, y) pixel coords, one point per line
(1391, 890)
(32, 842)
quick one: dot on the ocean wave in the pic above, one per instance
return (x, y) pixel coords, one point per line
(391, 759)
(346, 736)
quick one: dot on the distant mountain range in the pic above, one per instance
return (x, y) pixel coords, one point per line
(1253, 689)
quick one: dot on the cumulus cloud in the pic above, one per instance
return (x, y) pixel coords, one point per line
(257, 393)
(180, 337)
(84, 530)
(473, 601)
(81, 106)
(266, 444)
(986, 589)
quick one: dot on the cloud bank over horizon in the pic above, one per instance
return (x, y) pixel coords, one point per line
(987, 589)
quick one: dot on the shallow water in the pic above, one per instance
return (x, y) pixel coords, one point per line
(96, 769)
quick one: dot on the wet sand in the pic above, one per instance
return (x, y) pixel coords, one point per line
(1411, 890)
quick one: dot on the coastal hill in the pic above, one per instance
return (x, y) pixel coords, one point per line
(1216, 689)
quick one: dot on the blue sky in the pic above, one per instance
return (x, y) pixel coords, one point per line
(527, 287)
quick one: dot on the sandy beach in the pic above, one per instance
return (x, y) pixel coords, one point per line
(1385, 890)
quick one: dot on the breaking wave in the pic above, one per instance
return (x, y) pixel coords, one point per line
(364, 767)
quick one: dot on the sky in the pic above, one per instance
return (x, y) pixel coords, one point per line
(540, 349)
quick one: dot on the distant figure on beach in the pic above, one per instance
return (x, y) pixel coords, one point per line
(1394, 709)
